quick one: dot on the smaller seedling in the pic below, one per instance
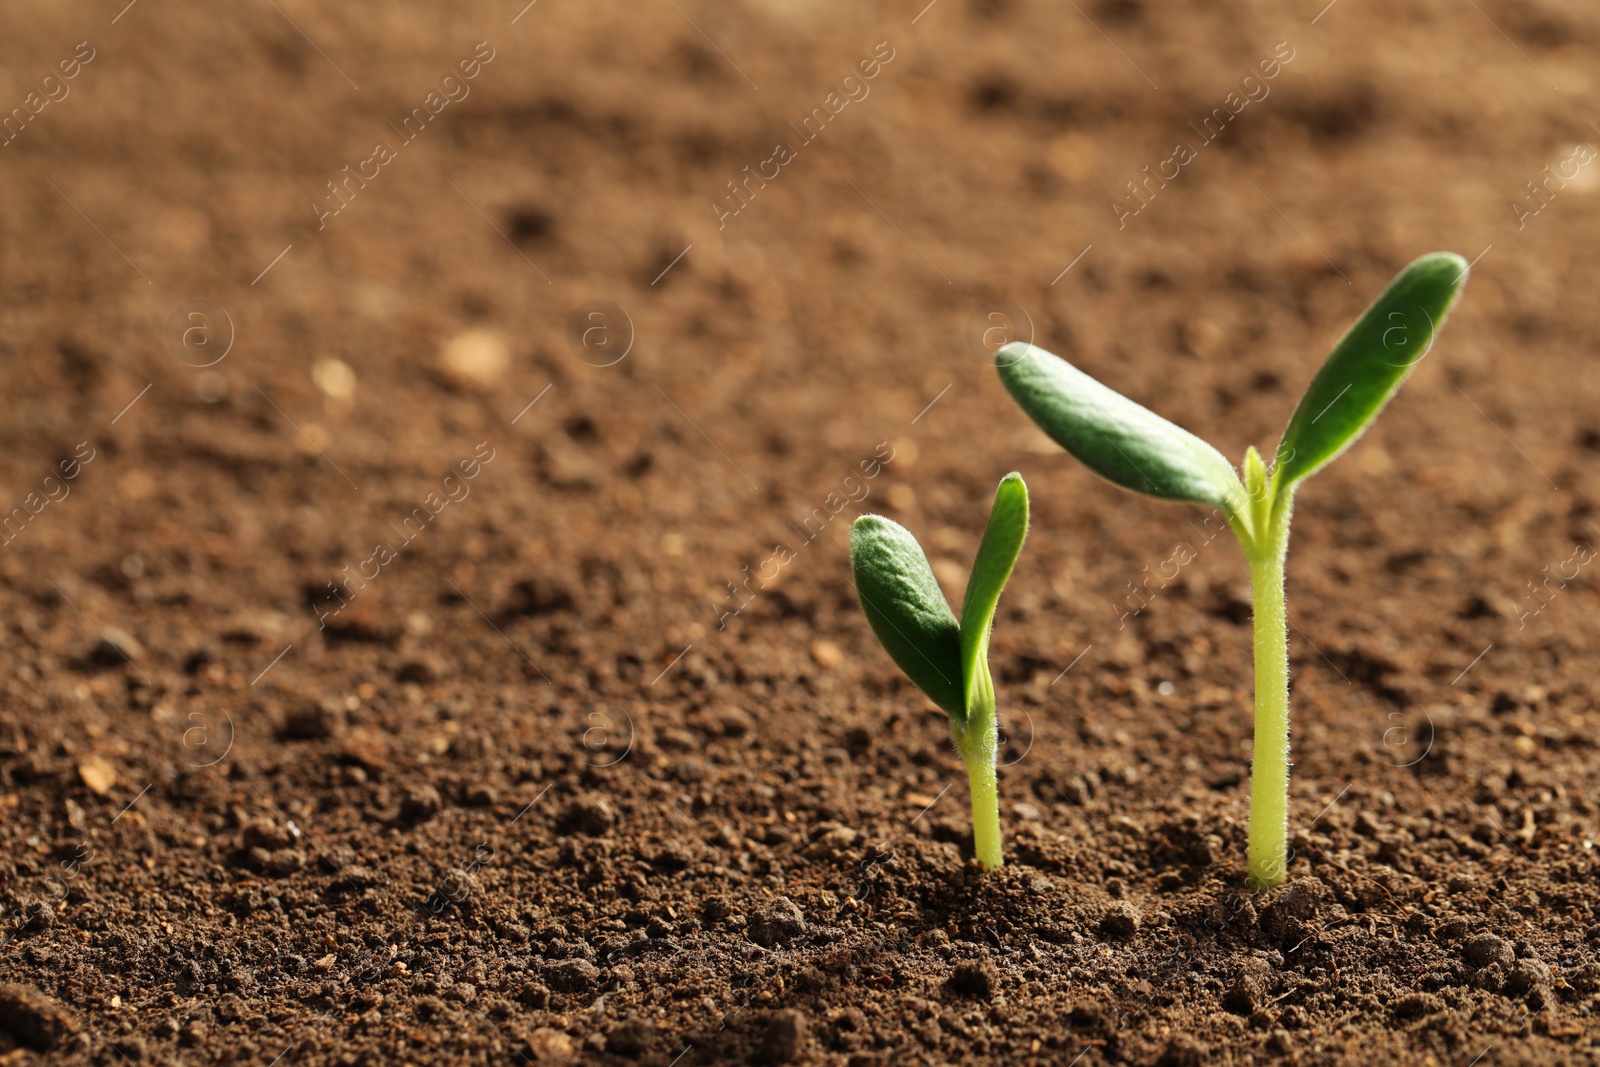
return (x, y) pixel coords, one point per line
(948, 660)
(1139, 450)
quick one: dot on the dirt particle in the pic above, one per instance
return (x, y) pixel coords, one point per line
(421, 804)
(572, 976)
(777, 923)
(368, 752)
(1284, 918)
(284, 862)
(973, 978)
(130, 1047)
(728, 720)
(590, 815)
(630, 1037)
(1091, 1015)
(1417, 1005)
(831, 840)
(34, 1019)
(785, 1036)
(1526, 976)
(716, 908)
(1183, 1051)
(1244, 996)
(422, 670)
(1120, 921)
(313, 722)
(1489, 978)
(265, 834)
(1485, 949)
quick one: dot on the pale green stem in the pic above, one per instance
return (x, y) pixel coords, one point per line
(1268, 854)
(978, 743)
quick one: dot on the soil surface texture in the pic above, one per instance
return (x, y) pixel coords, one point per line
(432, 432)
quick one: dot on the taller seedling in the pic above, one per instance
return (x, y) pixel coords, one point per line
(1139, 450)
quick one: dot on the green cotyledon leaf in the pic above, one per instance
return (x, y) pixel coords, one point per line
(997, 555)
(1115, 437)
(907, 610)
(1368, 365)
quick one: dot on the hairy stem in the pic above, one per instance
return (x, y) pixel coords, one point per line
(1268, 855)
(978, 742)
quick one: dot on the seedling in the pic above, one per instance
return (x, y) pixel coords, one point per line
(948, 660)
(1139, 450)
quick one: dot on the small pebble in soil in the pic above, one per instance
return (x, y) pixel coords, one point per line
(116, 648)
(826, 654)
(1120, 921)
(97, 773)
(549, 1046)
(475, 359)
(590, 815)
(777, 923)
(420, 804)
(785, 1037)
(1485, 949)
(973, 978)
(34, 1019)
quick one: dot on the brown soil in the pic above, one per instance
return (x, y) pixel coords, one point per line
(577, 775)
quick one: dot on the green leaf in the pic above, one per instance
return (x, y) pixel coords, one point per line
(1116, 438)
(907, 610)
(1368, 365)
(997, 555)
